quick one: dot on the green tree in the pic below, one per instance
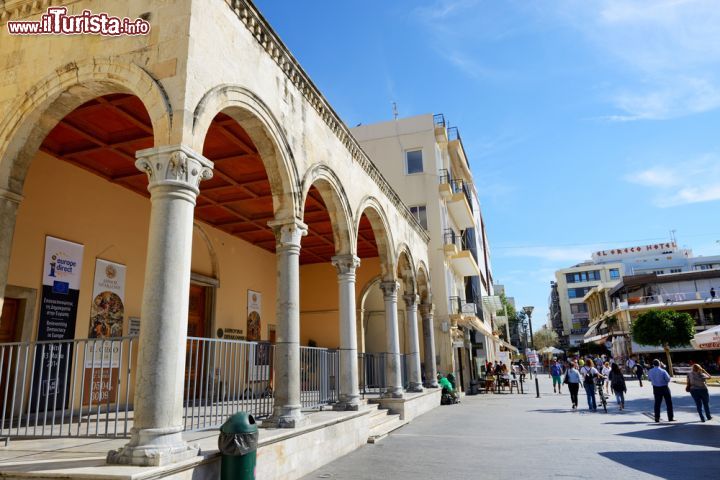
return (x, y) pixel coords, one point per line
(664, 328)
(545, 338)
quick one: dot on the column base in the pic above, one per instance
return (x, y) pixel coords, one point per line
(415, 387)
(431, 384)
(154, 447)
(346, 407)
(393, 392)
(286, 418)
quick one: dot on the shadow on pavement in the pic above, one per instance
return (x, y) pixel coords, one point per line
(687, 434)
(670, 465)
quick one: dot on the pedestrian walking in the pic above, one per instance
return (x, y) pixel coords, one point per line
(606, 373)
(640, 371)
(660, 379)
(590, 374)
(712, 293)
(556, 374)
(572, 379)
(697, 386)
(617, 383)
(630, 364)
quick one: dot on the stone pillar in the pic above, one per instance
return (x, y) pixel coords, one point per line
(287, 409)
(426, 311)
(414, 372)
(393, 377)
(349, 379)
(175, 173)
(9, 203)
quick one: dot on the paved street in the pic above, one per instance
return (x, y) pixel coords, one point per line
(513, 436)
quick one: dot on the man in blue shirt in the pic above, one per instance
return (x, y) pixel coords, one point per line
(660, 379)
(556, 374)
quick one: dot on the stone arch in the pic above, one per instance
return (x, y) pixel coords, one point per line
(333, 194)
(207, 243)
(383, 236)
(265, 131)
(33, 115)
(423, 283)
(406, 269)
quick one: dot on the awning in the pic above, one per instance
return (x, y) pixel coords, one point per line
(508, 346)
(475, 323)
(707, 340)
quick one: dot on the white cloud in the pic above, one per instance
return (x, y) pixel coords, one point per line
(670, 49)
(692, 181)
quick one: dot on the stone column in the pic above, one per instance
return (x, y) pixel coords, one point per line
(426, 311)
(9, 203)
(393, 377)
(175, 173)
(414, 372)
(287, 409)
(349, 380)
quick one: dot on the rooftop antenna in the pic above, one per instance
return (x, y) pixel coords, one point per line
(673, 239)
(395, 110)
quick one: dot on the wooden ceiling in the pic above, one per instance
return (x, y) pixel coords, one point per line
(103, 135)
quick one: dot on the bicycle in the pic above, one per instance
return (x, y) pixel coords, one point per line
(603, 399)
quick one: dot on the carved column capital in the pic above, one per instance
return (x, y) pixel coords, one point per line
(288, 233)
(427, 309)
(411, 300)
(390, 289)
(174, 166)
(345, 264)
(10, 197)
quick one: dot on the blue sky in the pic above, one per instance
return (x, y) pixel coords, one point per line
(588, 124)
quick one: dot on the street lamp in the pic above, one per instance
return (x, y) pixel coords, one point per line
(528, 311)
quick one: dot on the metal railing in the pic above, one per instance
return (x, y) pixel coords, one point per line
(226, 376)
(453, 133)
(371, 372)
(439, 120)
(319, 376)
(66, 388)
(84, 387)
(667, 298)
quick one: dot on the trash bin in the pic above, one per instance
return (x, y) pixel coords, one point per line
(238, 447)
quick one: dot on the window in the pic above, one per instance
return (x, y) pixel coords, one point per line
(578, 308)
(658, 272)
(578, 292)
(675, 270)
(413, 161)
(591, 276)
(614, 273)
(420, 212)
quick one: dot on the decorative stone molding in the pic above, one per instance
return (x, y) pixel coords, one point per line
(270, 41)
(175, 165)
(12, 9)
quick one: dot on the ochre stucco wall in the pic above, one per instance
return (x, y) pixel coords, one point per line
(112, 223)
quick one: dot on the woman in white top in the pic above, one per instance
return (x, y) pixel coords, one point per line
(605, 373)
(590, 374)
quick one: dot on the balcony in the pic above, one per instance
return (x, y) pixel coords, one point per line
(459, 256)
(457, 195)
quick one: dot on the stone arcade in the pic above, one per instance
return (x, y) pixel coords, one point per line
(242, 157)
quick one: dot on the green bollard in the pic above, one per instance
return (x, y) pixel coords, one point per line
(238, 446)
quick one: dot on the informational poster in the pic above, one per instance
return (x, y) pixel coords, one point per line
(107, 315)
(133, 326)
(254, 306)
(62, 270)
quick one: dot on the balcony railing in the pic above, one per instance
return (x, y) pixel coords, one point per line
(666, 299)
(459, 306)
(439, 120)
(453, 133)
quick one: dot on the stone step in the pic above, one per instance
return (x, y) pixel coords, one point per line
(379, 412)
(382, 429)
